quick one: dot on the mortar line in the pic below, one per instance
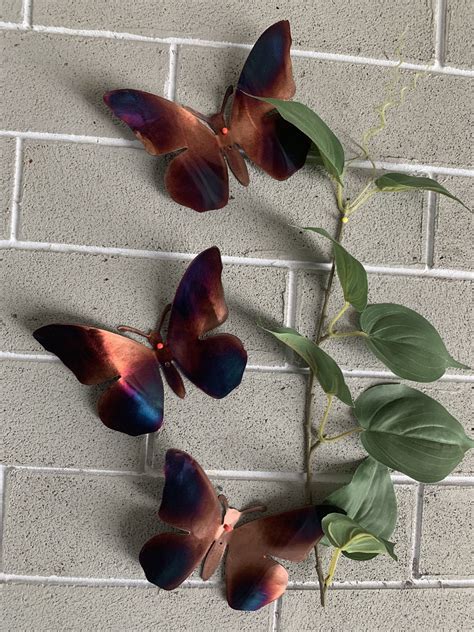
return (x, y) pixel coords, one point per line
(170, 84)
(308, 54)
(255, 368)
(27, 14)
(430, 227)
(290, 303)
(161, 255)
(110, 141)
(462, 480)
(417, 532)
(423, 583)
(275, 621)
(440, 33)
(17, 190)
(3, 495)
(56, 580)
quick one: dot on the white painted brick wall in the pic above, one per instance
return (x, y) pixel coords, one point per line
(37, 591)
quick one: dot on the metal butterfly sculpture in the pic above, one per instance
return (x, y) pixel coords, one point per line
(197, 177)
(134, 402)
(253, 578)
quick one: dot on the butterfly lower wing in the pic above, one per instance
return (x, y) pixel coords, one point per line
(216, 363)
(197, 177)
(190, 503)
(134, 403)
(169, 558)
(272, 143)
(253, 579)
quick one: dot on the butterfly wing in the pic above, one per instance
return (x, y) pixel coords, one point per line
(134, 403)
(216, 363)
(253, 579)
(198, 176)
(272, 143)
(191, 504)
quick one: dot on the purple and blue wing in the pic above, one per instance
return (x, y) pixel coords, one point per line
(133, 404)
(253, 578)
(190, 503)
(197, 177)
(272, 143)
(214, 364)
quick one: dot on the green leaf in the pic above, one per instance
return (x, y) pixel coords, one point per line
(406, 342)
(349, 536)
(410, 432)
(307, 121)
(403, 182)
(369, 498)
(351, 273)
(314, 156)
(326, 371)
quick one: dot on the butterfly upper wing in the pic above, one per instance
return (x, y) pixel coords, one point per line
(272, 143)
(189, 503)
(198, 176)
(134, 403)
(214, 364)
(253, 579)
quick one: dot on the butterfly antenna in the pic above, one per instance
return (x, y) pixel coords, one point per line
(203, 117)
(227, 94)
(163, 316)
(224, 501)
(132, 330)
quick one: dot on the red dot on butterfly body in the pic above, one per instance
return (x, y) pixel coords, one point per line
(224, 131)
(160, 346)
(228, 527)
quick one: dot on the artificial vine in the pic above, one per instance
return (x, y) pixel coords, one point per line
(399, 426)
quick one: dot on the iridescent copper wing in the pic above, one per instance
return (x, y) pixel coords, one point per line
(189, 503)
(134, 402)
(197, 177)
(272, 143)
(253, 578)
(215, 364)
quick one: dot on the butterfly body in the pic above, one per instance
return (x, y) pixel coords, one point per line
(134, 402)
(197, 176)
(208, 527)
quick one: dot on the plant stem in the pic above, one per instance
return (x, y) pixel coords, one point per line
(347, 334)
(339, 315)
(322, 425)
(332, 569)
(342, 435)
(309, 446)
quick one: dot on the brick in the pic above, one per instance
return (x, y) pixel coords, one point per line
(454, 226)
(446, 540)
(49, 419)
(373, 610)
(112, 609)
(428, 127)
(7, 162)
(322, 27)
(107, 291)
(91, 526)
(257, 427)
(10, 11)
(459, 32)
(267, 212)
(445, 303)
(55, 83)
